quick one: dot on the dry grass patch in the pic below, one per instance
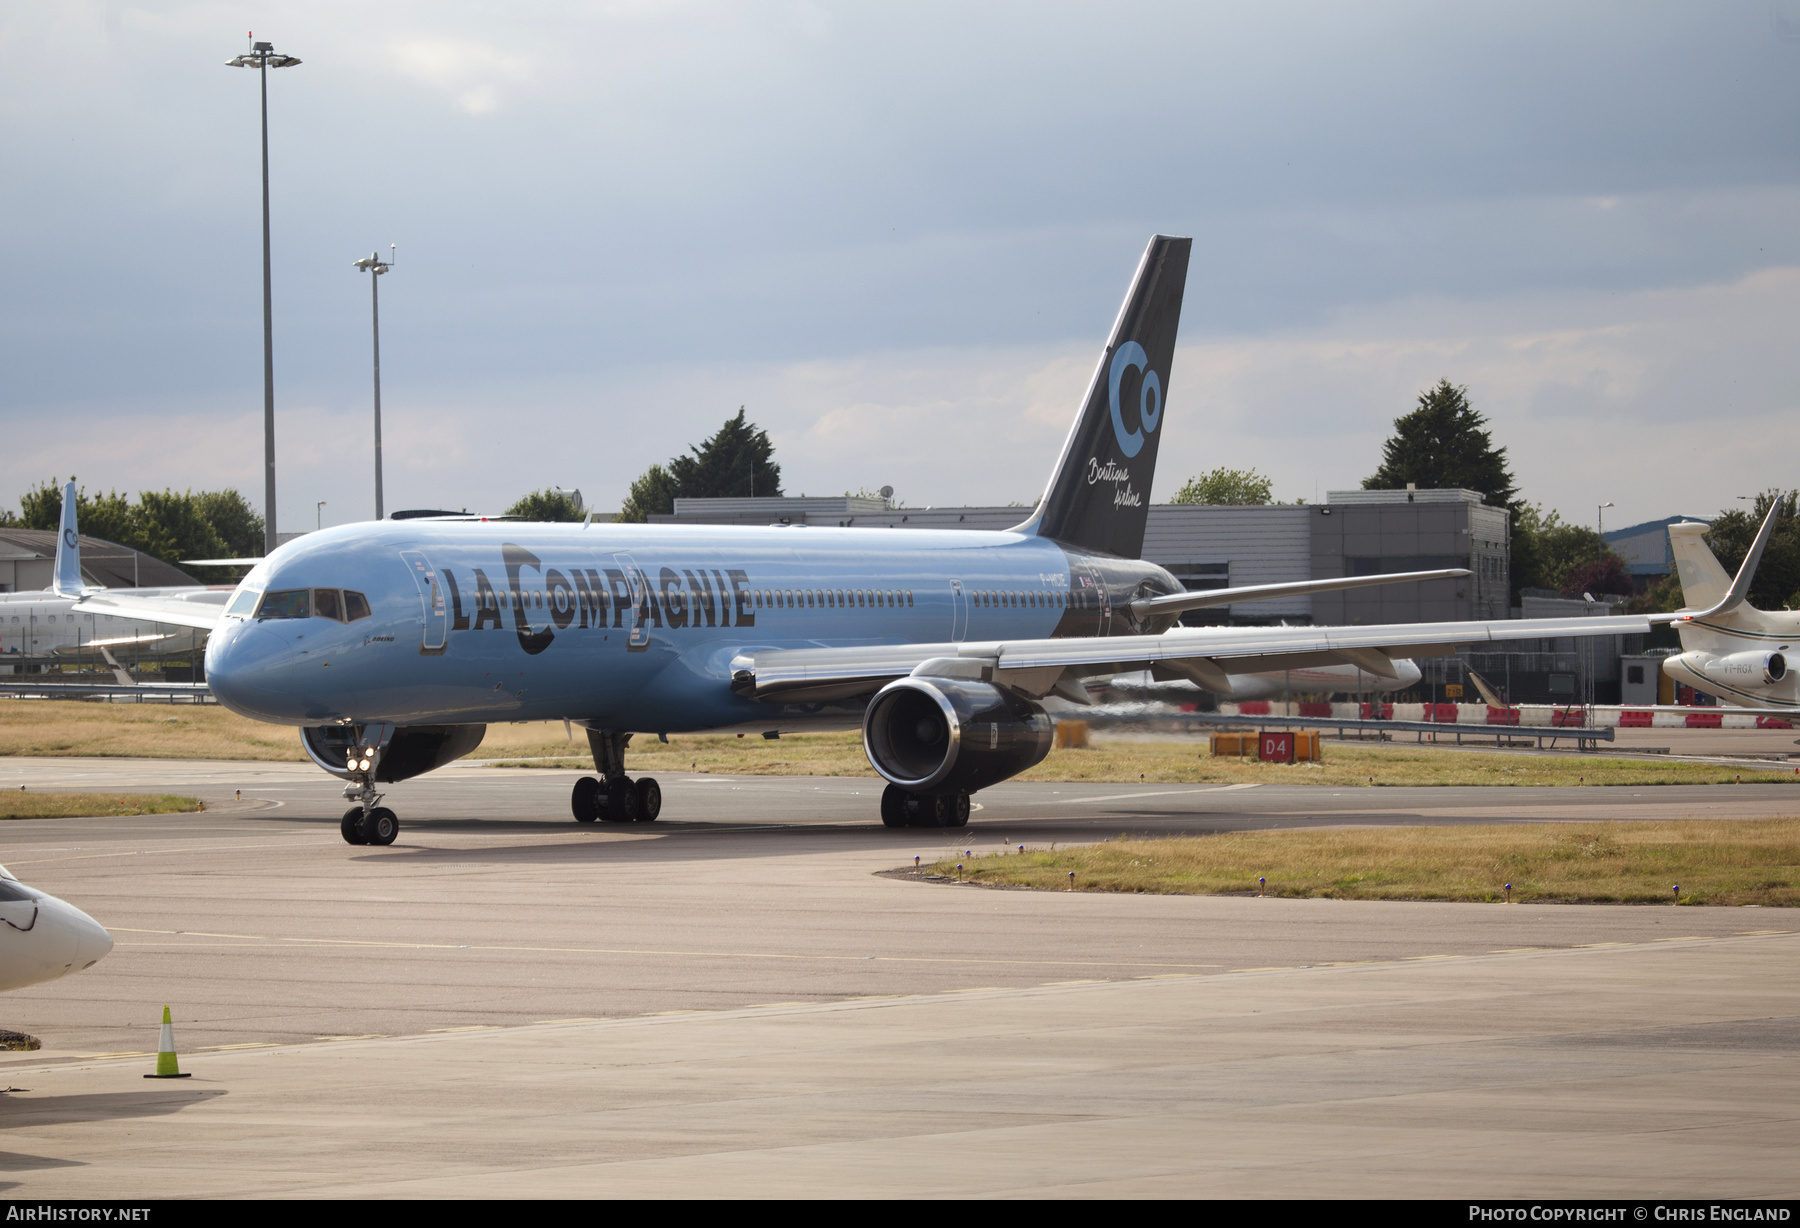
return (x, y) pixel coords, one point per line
(1716, 862)
(24, 804)
(161, 731)
(1126, 762)
(140, 731)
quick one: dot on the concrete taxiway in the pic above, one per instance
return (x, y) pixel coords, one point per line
(732, 1001)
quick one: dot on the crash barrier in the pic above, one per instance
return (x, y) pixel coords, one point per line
(1550, 716)
(146, 693)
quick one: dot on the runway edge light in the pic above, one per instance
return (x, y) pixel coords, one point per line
(165, 1052)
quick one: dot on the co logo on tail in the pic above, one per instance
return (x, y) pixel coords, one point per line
(1127, 356)
(69, 538)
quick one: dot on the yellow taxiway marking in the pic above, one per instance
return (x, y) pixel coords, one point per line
(1516, 950)
(356, 1036)
(251, 1044)
(469, 1027)
(582, 1019)
(1747, 933)
(1270, 968)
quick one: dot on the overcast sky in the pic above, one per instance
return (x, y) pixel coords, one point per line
(897, 234)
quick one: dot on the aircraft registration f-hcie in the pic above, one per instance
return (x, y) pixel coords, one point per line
(391, 645)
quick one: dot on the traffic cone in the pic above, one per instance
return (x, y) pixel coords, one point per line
(165, 1052)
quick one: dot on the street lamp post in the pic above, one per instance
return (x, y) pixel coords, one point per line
(319, 516)
(1600, 516)
(374, 266)
(262, 57)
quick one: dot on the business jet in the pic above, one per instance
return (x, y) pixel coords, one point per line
(43, 937)
(1730, 648)
(391, 645)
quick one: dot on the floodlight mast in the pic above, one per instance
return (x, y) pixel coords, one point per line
(262, 57)
(374, 266)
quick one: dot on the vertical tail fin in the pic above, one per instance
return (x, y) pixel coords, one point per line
(1098, 497)
(1704, 582)
(67, 576)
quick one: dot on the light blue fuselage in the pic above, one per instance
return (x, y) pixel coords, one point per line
(629, 627)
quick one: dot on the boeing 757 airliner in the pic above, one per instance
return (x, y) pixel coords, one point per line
(391, 645)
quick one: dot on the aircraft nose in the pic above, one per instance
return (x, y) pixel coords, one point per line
(92, 941)
(242, 661)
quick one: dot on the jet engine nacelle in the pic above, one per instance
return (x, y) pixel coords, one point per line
(1766, 667)
(950, 735)
(413, 750)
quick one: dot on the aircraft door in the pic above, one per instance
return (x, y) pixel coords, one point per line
(638, 639)
(1103, 615)
(431, 596)
(959, 612)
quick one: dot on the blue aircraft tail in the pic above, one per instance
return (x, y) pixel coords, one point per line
(1099, 496)
(66, 579)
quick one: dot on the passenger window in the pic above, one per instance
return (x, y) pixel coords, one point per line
(285, 603)
(242, 604)
(909, 598)
(356, 606)
(327, 605)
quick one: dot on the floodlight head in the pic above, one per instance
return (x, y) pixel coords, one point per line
(262, 46)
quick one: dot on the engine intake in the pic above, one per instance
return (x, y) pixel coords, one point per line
(1770, 667)
(413, 750)
(948, 735)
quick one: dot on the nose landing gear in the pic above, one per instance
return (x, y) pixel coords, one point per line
(899, 808)
(614, 797)
(366, 823)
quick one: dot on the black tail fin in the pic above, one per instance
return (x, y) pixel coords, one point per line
(1099, 496)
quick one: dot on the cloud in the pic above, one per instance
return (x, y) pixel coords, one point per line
(471, 73)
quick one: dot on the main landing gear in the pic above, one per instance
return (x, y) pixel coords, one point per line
(615, 797)
(900, 808)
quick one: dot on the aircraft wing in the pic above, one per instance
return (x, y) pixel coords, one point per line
(1204, 654)
(201, 609)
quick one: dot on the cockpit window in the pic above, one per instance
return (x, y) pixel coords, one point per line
(355, 606)
(243, 603)
(327, 604)
(12, 892)
(286, 603)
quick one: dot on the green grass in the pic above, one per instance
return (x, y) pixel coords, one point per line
(27, 804)
(1753, 861)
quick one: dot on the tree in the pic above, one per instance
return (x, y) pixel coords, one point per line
(166, 525)
(1546, 551)
(1606, 575)
(1226, 486)
(545, 505)
(1778, 575)
(238, 524)
(652, 494)
(737, 462)
(1444, 444)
